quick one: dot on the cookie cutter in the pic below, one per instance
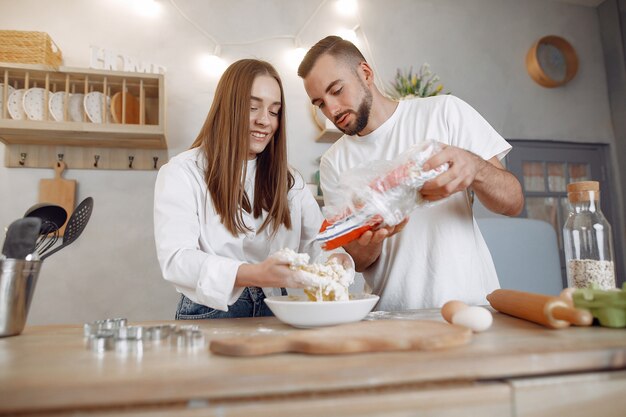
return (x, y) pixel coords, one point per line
(189, 336)
(115, 334)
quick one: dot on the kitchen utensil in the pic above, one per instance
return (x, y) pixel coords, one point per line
(298, 311)
(17, 285)
(21, 238)
(75, 225)
(131, 111)
(52, 218)
(364, 336)
(58, 191)
(552, 312)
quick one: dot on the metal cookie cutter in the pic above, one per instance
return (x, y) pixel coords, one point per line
(93, 327)
(102, 340)
(188, 337)
(129, 340)
(159, 333)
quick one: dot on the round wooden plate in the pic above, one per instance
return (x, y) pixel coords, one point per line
(132, 109)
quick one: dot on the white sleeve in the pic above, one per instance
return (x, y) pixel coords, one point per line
(469, 130)
(311, 222)
(329, 182)
(206, 278)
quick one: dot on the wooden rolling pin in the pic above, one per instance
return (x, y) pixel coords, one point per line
(553, 312)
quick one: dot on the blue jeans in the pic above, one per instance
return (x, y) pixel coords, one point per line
(249, 304)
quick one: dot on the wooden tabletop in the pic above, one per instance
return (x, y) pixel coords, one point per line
(50, 367)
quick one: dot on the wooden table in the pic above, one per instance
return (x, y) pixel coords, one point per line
(514, 369)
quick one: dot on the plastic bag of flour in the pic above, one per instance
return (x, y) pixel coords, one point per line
(379, 193)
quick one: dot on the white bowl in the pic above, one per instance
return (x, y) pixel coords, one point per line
(298, 311)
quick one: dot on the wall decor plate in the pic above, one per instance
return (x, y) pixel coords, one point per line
(34, 103)
(9, 91)
(75, 107)
(95, 107)
(16, 105)
(551, 61)
(55, 106)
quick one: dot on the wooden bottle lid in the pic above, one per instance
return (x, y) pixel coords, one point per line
(583, 186)
(583, 191)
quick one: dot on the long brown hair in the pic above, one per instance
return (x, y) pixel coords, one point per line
(224, 138)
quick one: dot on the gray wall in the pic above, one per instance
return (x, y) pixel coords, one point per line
(476, 46)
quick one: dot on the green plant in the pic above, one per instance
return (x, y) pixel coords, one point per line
(423, 83)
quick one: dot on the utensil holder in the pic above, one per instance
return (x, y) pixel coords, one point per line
(18, 278)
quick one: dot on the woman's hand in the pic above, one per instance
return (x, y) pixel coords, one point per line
(272, 272)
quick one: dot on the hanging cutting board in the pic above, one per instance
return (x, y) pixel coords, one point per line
(131, 110)
(58, 191)
(364, 336)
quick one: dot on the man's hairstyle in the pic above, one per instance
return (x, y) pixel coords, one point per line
(334, 46)
(225, 142)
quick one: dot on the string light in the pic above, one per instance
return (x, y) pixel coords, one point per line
(214, 65)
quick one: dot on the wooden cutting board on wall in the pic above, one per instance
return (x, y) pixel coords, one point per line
(58, 191)
(364, 336)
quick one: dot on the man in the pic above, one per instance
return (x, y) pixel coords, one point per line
(441, 254)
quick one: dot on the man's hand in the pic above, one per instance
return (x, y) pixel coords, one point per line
(494, 186)
(464, 167)
(366, 249)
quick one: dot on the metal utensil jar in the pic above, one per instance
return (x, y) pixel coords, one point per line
(587, 239)
(18, 278)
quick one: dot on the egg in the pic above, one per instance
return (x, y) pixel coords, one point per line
(476, 318)
(450, 308)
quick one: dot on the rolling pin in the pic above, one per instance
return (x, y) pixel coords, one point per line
(553, 312)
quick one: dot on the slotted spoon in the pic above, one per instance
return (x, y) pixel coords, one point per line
(75, 226)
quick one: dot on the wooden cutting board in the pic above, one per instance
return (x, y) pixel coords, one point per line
(58, 191)
(131, 110)
(364, 336)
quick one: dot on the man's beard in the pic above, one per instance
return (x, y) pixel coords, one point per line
(362, 115)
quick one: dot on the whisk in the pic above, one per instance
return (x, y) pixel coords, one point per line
(48, 236)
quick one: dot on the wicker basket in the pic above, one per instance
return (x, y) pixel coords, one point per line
(29, 48)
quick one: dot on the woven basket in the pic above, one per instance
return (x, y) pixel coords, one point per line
(29, 48)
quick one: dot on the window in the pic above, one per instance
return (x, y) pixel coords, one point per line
(545, 168)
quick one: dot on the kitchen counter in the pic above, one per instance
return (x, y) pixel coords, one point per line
(516, 368)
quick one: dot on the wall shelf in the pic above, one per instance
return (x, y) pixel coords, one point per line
(129, 135)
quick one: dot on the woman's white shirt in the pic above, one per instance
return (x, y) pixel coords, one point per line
(198, 254)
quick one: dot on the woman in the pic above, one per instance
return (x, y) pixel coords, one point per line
(224, 206)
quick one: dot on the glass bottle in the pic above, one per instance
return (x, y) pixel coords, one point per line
(587, 239)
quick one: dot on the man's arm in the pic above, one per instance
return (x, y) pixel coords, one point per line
(494, 186)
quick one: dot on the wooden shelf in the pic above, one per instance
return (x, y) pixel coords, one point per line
(142, 141)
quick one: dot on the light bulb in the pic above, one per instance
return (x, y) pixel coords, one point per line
(147, 8)
(213, 65)
(294, 57)
(346, 7)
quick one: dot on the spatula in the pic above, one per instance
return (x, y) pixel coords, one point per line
(21, 238)
(75, 225)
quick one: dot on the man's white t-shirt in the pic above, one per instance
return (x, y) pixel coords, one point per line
(440, 255)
